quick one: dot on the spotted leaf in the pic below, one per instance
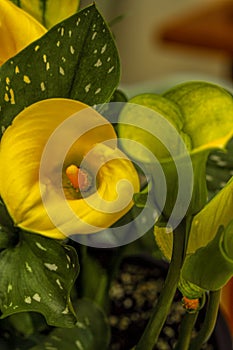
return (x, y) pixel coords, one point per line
(76, 59)
(91, 331)
(37, 275)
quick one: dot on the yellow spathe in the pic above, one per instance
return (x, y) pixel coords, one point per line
(21, 183)
(17, 30)
(55, 10)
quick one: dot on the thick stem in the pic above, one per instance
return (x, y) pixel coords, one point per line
(162, 307)
(209, 322)
(186, 328)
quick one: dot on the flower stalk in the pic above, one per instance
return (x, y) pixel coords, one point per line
(209, 322)
(186, 329)
(161, 310)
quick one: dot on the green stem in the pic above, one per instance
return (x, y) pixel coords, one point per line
(209, 322)
(186, 329)
(101, 296)
(162, 307)
(83, 260)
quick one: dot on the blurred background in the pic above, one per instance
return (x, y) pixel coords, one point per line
(147, 60)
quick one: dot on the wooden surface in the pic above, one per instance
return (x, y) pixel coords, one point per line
(210, 28)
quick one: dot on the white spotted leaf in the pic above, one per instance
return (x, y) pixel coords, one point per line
(75, 59)
(91, 331)
(37, 275)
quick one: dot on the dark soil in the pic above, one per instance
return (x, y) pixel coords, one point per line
(133, 294)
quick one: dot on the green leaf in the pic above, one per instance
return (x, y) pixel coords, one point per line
(164, 240)
(227, 243)
(94, 288)
(22, 323)
(219, 169)
(155, 124)
(207, 110)
(211, 267)
(217, 212)
(76, 59)
(142, 120)
(140, 198)
(91, 331)
(119, 96)
(190, 290)
(20, 330)
(202, 115)
(6, 237)
(5, 219)
(205, 224)
(37, 275)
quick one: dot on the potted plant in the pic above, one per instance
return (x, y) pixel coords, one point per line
(88, 177)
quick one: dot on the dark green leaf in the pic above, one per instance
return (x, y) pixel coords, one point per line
(76, 59)
(5, 237)
(119, 96)
(22, 323)
(21, 330)
(93, 287)
(91, 331)
(8, 232)
(5, 219)
(140, 199)
(219, 169)
(37, 275)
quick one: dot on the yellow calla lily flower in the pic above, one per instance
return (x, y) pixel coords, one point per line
(35, 188)
(17, 30)
(50, 12)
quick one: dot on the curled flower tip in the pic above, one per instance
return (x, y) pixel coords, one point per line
(79, 178)
(190, 304)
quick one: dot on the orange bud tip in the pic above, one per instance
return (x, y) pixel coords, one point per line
(72, 174)
(190, 304)
(79, 178)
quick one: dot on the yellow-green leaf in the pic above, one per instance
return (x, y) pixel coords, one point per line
(210, 267)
